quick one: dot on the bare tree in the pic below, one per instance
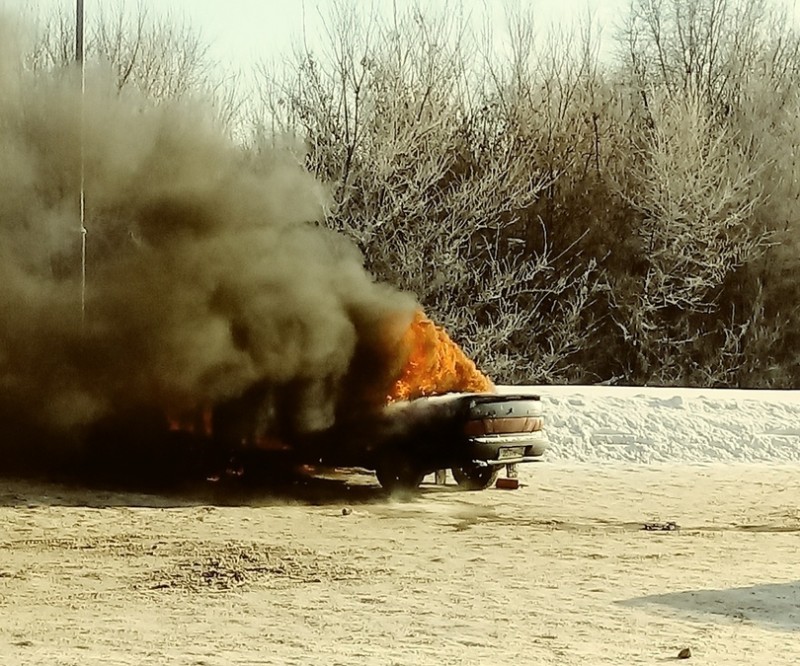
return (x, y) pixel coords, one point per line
(162, 56)
(566, 219)
(709, 48)
(435, 176)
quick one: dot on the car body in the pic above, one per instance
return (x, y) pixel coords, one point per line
(474, 434)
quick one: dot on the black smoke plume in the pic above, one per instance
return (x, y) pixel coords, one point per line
(207, 273)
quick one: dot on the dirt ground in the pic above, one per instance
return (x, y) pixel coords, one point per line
(557, 572)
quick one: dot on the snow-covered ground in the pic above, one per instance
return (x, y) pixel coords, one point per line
(655, 425)
(560, 571)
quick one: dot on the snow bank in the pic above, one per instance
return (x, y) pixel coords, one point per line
(652, 425)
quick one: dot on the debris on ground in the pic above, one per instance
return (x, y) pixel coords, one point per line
(661, 527)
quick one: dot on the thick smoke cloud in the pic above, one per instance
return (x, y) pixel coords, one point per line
(206, 273)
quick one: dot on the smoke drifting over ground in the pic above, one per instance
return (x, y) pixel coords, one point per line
(206, 275)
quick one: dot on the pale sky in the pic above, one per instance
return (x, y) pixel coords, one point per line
(243, 32)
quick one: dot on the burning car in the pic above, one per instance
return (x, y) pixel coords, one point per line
(440, 413)
(473, 434)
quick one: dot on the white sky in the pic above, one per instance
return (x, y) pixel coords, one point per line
(243, 32)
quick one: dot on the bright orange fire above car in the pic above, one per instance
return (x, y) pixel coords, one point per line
(435, 365)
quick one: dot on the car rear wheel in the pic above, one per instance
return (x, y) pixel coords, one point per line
(473, 476)
(398, 475)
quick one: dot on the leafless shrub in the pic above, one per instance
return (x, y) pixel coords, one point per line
(436, 173)
(715, 184)
(566, 221)
(696, 192)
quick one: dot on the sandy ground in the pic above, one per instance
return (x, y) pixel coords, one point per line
(558, 572)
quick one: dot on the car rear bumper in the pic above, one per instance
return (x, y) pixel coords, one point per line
(508, 449)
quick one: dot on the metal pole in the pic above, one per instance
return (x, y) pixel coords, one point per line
(79, 58)
(79, 32)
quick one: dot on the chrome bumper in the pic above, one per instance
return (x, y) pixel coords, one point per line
(486, 449)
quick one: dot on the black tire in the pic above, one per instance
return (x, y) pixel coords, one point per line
(473, 476)
(399, 475)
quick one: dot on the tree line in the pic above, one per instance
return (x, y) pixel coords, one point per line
(567, 217)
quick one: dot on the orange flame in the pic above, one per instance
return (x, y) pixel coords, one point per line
(436, 364)
(197, 422)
